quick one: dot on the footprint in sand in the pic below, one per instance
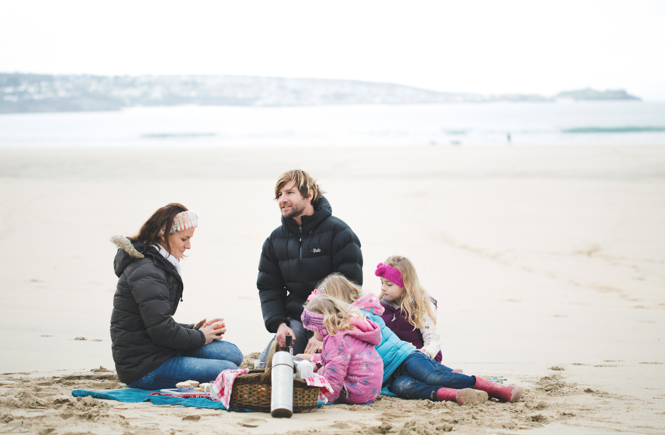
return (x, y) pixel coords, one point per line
(252, 422)
(341, 425)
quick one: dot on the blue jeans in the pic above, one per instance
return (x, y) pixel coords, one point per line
(302, 337)
(203, 365)
(420, 377)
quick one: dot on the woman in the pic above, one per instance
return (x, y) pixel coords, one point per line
(150, 349)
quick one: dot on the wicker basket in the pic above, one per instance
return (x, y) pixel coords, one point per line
(253, 391)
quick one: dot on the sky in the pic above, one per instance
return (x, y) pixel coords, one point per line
(479, 46)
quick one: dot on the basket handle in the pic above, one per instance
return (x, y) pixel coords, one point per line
(266, 377)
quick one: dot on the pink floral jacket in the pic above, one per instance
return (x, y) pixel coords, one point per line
(350, 362)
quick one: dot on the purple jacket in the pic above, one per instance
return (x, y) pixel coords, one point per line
(396, 320)
(351, 364)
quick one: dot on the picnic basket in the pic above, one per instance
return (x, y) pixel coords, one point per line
(253, 391)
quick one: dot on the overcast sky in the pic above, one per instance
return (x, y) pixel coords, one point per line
(482, 46)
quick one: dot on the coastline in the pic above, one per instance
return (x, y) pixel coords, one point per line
(547, 263)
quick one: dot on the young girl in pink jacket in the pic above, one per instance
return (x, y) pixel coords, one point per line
(349, 361)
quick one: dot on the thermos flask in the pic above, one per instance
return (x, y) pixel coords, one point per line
(304, 369)
(281, 398)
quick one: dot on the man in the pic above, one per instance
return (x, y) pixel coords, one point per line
(310, 244)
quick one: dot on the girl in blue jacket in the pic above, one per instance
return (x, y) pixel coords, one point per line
(409, 373)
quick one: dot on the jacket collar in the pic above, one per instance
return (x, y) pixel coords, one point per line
(162, 262)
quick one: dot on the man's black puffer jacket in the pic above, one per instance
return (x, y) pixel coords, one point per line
(295, 259)
(143, 332)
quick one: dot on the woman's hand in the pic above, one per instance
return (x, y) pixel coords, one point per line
(213, 330)
(210, 322)
(206, 322)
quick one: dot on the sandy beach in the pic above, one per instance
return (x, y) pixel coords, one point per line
(547, 262)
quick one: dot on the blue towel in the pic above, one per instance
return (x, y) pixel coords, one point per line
(135, 395)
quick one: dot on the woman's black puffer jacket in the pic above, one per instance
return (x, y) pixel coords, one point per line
(143, 332)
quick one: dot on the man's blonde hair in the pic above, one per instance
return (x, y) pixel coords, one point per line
(304, 183)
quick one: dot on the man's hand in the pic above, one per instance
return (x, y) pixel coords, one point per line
(313, 346)
(282, 332)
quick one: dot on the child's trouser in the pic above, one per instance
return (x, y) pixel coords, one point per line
(420, 377)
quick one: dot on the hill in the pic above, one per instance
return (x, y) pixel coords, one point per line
(72, 93)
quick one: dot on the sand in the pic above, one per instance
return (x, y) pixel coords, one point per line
(548, 264)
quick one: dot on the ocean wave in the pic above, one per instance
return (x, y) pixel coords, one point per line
(613, 130)
(175, 135)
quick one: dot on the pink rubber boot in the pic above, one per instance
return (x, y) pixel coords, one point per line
(467, 396)
(505, 393)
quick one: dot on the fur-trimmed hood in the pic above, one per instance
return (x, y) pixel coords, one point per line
(125, 244)
(127, 253)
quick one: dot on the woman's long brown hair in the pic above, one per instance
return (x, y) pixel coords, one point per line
(157, 228)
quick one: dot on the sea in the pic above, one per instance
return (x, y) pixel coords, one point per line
(472, 124)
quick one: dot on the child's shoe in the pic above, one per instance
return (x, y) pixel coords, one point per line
(505, 393)
(467, 396)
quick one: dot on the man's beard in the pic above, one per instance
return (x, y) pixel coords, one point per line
(296, 210)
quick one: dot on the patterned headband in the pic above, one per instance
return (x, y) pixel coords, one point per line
(390, 273)
(184, 221)
(312, 321)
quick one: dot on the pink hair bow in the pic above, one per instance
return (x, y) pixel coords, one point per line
(314, 294)
(390, 273)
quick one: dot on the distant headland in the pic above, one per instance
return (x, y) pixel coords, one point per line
(589, 94)
(23, 93)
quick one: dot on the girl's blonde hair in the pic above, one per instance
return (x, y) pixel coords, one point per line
(339, 287)
(416, 302)
(336, 314)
